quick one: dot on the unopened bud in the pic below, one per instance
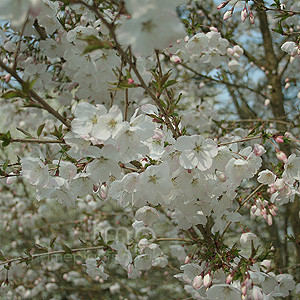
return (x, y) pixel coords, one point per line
(227, 15)
(244, 14)
(281, 156)
(229, 278)
(207, 280)
(197, 282)
(251, 17)
(222, 5)
(175, 59)
(279, 139)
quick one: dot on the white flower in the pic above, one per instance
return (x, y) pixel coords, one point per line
(292, 167)
(246, 239)
(223, 292)
(86, 117)
(148, 215)
(153, 25)
(233, 65)
(109, 125)
(196, 152)
(143, 262)
(155, 182)
(290, 47)
(123, 256)
(105, 163)
(93, 268)
(266, 177)
(237, 170)
(35, 171)
(197, 43)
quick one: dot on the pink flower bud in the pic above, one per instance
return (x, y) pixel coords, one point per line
(281, 156)
(221, 176)
(130, 81)
(267, 102)
(222, 5)
(244, 14)
(214, 29)
(227, 15)
(279, 139)
(7, 78)
(207, 280)
(103, 192)
(258, 150)
(269, 220)
(251, 17)
(230, 51)
(229, 278)
(187, 259)
(175, 59)
(197, 282)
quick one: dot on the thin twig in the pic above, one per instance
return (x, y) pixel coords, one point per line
(242, 204)
(9, 261)
(37, 141)
(35, 96)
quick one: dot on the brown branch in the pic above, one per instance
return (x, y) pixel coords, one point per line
(222, 81)
(37, 141)
(241, 140)
(35, 96)
(31, 257)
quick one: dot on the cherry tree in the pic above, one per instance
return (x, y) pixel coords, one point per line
(149, 148)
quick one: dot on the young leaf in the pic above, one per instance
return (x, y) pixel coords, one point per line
(40, 129)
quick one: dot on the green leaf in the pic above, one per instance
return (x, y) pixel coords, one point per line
(40, 129)
(43, 248)
(94, 43)
(2, 257)
(5, 165)
(13, 94)
(52, 242)
(6, 138)
(67, 249)
(169, 83)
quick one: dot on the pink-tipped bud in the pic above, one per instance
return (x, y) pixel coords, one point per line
(227, 15)
(197, 282)
(7, 78)
(281, 156)
(251, 17)
(229, 278)
(130, 81)
(244, 14)
(269, 220)
(279, 139)
(230, 51)
(244, 290)
(272, 212)
(175, 59)
(103, 192)
(267, 102)
(221, 176)
(222, 5)
(187, 259)
(207, 280)
(258, 150)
